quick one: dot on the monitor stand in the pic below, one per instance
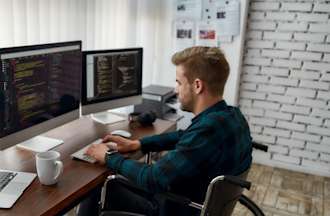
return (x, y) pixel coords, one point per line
(40, 144)
(107, 117)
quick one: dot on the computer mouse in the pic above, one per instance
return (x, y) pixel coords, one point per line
(122, 133)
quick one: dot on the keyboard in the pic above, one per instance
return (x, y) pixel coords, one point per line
(5, 178)
(80, 154)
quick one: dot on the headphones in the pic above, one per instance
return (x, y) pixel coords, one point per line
(145, 118)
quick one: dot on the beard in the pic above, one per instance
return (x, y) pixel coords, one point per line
(187, 103)
(184, 108)
(187, 106)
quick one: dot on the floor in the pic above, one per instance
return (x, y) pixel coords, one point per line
(281, 192)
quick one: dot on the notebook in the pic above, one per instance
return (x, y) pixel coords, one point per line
(12, 186)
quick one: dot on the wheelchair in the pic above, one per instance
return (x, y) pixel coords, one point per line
(215, 203)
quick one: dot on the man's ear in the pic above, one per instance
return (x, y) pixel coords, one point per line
(198, 86)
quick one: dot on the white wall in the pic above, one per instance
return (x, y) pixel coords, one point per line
(165, 71)
(285, 85)
(234, 55)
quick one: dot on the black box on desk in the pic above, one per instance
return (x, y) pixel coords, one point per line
(155, 98)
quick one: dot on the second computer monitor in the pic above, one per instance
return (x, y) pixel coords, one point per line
(111, 79)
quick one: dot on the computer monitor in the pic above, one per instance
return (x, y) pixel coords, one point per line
(40, 89)
(111, 79)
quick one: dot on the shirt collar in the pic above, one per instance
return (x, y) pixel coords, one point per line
(221, 105)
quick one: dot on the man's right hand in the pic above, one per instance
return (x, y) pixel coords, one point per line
(123, 145)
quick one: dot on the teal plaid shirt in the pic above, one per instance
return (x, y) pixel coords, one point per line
(217, 142)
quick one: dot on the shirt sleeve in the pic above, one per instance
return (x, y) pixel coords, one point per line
(160, 142)
(181, 163)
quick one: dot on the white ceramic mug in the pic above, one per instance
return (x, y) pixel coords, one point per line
(49, 167)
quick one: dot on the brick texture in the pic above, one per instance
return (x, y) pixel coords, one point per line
(285, 82)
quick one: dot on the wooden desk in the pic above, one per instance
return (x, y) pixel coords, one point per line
(78, 177)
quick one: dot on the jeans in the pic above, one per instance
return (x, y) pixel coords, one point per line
(119, 198)
(124, 197)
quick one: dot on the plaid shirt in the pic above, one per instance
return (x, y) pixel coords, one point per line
(217, 142)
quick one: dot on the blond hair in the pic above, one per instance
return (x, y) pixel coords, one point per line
(206, 63)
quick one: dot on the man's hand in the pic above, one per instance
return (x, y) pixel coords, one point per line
(98, 152)
(123, 145)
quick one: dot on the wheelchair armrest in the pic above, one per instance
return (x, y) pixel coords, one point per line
(237, 181)
(259, 146)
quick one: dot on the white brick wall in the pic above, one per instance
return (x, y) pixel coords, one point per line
(284, 81)
(278, 149)
(271, 89)
(278, 115)
(257, 61)
(319, 7)
(318, 48)
(306, 56)
(281, 98)
(290, 45)
(314, 84)
(325, 157)
(263, 138)
(285, 90)
(292, 26)
(291, 126)
(276, 71)
(311, 102)
(296, 109)
(275, 53)
(262, 25)
(291, 142)
(253, 53)
(249, 86)
(307, 120)
(305, 74)
(309, 37)
(301, 92)
(265, 6)
(262, 121)
(323, 28)
(287, 63)
(254, 34)
(304, 154)
(312, 17)
(316, 66)
(260, 44)
(297, 6)
(324, 95)
(286, 159)
(279, 16)
(251, 69)
(266, 105)
(277, 36)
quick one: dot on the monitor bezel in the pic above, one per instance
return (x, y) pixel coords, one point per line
(38, 46)
(103, 104)
(37, 129)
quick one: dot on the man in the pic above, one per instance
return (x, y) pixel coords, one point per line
(217, 142)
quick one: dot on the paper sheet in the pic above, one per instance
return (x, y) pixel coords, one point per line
(189, 9)
(206, 33)
(228, 17)
(184, 34)
(225, 13)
